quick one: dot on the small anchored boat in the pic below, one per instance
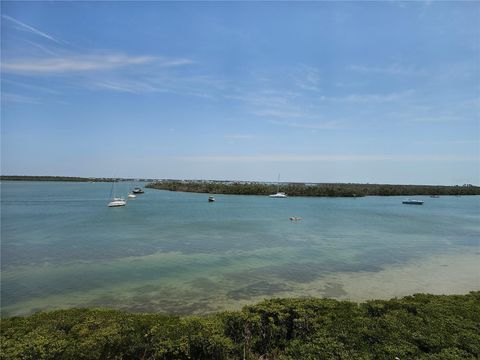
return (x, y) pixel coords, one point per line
(295, 218)
(138, 190)
(117, 202)
(211, 199)
(278, 194)
(412, 202)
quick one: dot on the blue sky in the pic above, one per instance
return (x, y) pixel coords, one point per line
(385, 92)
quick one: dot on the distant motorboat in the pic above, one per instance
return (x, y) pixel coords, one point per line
(434, 196)
(211, 199)
(412, 202)
(132, 196)
(138, 190)
(295, 218)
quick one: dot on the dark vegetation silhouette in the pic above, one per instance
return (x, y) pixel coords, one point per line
(300, 189)
(414, 327)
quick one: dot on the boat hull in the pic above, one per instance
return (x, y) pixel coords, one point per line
(278, 195)
(412, 202)
(117, 203)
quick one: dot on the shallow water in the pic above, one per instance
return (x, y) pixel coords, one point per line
(175, 252)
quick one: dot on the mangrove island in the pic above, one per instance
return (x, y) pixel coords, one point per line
(304, 189)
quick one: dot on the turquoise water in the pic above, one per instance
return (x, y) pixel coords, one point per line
(61, 246)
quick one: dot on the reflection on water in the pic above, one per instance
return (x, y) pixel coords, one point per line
(175, 252)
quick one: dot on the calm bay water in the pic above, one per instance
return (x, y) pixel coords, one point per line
(175, 252)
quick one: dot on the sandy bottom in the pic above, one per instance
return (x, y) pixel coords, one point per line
(443, 274)
(440, 275)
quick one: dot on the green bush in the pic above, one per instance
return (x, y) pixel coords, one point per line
(414, 327)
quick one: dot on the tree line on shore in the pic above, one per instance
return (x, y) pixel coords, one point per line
(52, 178)
(421, 326)
(324, 189)
(65, 178)
(291, 189)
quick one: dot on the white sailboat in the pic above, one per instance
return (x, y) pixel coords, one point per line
(278, 194)
(116, 201)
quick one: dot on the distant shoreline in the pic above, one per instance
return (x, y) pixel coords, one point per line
(261, 188)
(313, 190)
(52, 178)
(64, 178)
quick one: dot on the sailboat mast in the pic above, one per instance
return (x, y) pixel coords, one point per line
(112, 190)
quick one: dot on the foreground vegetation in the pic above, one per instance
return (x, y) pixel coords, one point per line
(415, 327)
(300, 189)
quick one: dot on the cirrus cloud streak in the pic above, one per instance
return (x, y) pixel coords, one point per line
(85, 63)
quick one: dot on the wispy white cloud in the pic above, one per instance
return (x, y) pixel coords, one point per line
(84, 63)
(165, 62)
(32, 30)
(314, 126)
(134, 87)
(272, 103)
(44, 49)
(264, 98)
(307, 78)
(393, 69)
(202, 86)
(36, 88)
(239, 137)
(327, 158)
(435, 119)
(100, 71)
(376, 98)
(428, 114)
(72, 64)
(174, 84)
(287, 105)
(371, 98)
(280, 113)
(9, 97)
